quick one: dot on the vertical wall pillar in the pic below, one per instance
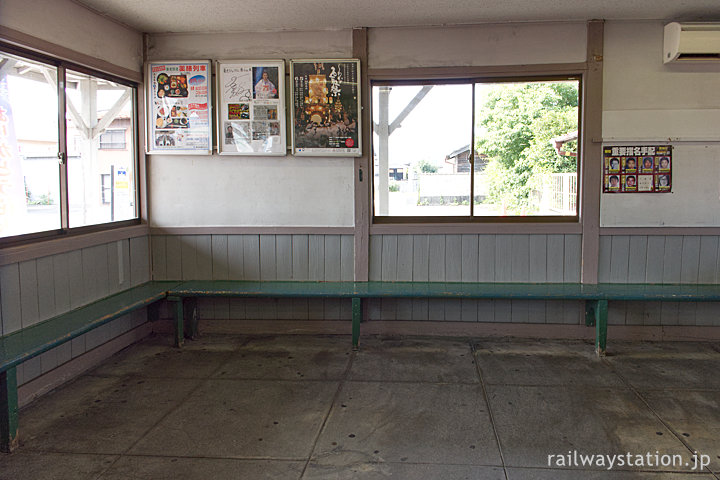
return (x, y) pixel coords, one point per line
(591, 169)
(363, 176)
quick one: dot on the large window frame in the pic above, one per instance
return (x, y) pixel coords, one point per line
(471, 76)
(65, 230)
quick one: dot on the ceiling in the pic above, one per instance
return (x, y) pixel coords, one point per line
(165, 16)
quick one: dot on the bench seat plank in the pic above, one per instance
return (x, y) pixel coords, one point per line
(30, 342)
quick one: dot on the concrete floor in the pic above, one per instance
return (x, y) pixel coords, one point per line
(292, 407)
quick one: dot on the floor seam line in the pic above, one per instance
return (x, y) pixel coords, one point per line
(489, 408)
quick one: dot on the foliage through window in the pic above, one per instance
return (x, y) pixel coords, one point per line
(39, 193)
(511, 147)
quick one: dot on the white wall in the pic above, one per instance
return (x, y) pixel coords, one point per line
(251, 191)
(480, 45)
(645, 99)
(72, 26)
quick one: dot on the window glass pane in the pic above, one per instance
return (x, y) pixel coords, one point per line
(100, 124)
(421, 140)
(29, 172)
(526, 148)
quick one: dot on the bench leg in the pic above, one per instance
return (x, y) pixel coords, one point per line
(601, 318)
(190, 306)
(8, 411)
(179, 317)
(356, 319)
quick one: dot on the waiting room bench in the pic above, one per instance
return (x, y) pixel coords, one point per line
(30, 342)
(596, 297)
(20, 346)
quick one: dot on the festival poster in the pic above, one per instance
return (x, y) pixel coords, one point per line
(251, 107)
(178, 97)
(637, 169)
(326, 107)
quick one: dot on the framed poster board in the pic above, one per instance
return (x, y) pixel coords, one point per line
(251, 107)
(326, 107)
(178, 107)
(637, 169)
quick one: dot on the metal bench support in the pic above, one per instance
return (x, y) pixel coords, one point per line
(356, 319)
(8, 411)
(179, 317)
(596, 314)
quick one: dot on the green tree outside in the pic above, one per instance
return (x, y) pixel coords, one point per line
(516, 125)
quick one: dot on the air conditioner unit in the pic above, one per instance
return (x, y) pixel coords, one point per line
(691, 42)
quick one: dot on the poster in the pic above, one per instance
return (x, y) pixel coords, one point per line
(637, 169)
(178, 95)
(326, 107)
(251, 107)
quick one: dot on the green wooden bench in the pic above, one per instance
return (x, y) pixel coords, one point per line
(30, 342)
(596, 297)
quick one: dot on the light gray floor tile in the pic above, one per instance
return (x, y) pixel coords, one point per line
(405, 422)
(402, 471)
(99, 414)
(693, 415)
(664, 366)
(174, 468)
(290, 358)
(244, 419)
(537, 474)
(52, 466)
(156, 359)
(414, 360)
(534, 422)
(523, 362)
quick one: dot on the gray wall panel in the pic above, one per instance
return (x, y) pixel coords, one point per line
(235, 255)
(268, 256)
(620, 259)
(188, 256)
(555, 258)
(10, 298)
(604, 255)
(537, 256)
(29, 310)
(347, 258)
(300, 257)
(316, 257)
(251, 257)
(159, 257)
(139, 260)
(520, 262)
(572, 258)
(332, 260)
(486, 258)
(637, 261)
(46, 288)
(283, 261)
(375, 267)
(708, 269)
(655, 256)
(389, 258)
(436, 258)
(690, 262)
(61, 282)
(174, 257)
(405, 258)
(672, 259)
(203, 258)
(503, 258)
(470, 259)
(421, 260)
(220, 259)
(453, 258)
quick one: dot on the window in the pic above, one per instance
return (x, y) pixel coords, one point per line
(40, 194)
(113, 140)
(476, 150)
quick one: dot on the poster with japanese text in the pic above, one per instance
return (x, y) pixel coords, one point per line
(637, 169)
(326, 107)
(251, 107)
(178, 98)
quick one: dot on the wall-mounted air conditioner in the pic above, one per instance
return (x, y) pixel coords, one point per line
(698, 42)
